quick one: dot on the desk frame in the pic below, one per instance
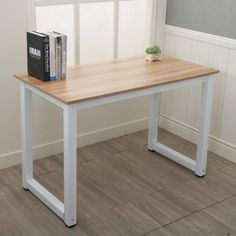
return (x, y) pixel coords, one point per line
(67, 211)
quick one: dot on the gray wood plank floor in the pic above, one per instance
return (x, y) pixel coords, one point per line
(125, 190)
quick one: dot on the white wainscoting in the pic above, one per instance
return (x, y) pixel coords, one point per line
(180, 109)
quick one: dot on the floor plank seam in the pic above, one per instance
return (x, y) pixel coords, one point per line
(190, 214)
(171, 186)
(45, 173)
(8, 184)
(131, 206)
(227, 166)
(85, 162)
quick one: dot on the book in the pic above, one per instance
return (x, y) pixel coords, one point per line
(47, 55)
(38, 57)
(52, 50)
(55, 56)
(58, 58)
(58, 52)
(62, 54)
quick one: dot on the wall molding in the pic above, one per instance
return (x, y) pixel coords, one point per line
(216, 145)
(201, 37)
(55, 147)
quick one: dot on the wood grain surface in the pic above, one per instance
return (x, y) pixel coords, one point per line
(87, 82)
(125, 190)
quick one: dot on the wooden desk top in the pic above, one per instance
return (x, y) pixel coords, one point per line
(87, 82)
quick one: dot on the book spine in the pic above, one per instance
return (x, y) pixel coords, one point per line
(58, 59)
(52, 47)
(46, 59)
(64, 57)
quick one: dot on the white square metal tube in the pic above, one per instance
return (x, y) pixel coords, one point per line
(198, 166)
(202, 145)
(70, 164)
(46, 197)
(26, 134)
(66, 211)
(153, 120)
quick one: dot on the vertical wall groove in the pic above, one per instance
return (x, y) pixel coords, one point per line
(212, 51)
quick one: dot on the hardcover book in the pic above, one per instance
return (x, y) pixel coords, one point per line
(53, 56)
(38, 55)
(61, 52)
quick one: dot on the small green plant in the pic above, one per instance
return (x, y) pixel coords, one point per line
(153, 50)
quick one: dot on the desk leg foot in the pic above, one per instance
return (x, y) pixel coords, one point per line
(70, 226)
(26, 189)
(151, 150)
(200, 177)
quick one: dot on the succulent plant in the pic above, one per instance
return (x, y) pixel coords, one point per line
(153, 50)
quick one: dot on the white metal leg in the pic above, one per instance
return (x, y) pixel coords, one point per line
(202, 146)
(153, 120)
(27, 161)
(66, 211)
(154, 145)
(70, 164)
(174, 156)
(46, 197)
(198, 166)
(26, 133)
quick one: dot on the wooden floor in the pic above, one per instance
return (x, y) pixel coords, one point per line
(125, 190)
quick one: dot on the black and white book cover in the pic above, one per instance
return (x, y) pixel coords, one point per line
(38, 55)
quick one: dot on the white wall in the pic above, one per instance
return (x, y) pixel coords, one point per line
(13, 24)
(94, 124)
(180, 109)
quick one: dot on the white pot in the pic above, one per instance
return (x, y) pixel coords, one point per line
(153, 57)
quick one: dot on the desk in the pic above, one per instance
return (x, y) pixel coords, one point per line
(93, 85)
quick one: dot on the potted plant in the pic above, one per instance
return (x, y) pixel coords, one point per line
(153, 53)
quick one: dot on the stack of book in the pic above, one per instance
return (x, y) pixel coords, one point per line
(47, 55)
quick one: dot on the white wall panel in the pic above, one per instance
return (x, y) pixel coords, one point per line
(228, 124)
(167, 97)
(174, 103)
(184, 105)
(180, 96)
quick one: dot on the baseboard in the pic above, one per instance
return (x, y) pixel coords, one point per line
(216, 145)
(55, 147)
